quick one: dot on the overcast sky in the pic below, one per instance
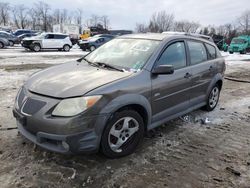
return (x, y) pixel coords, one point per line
(124, 14)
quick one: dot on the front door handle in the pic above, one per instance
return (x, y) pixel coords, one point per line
(187, 75)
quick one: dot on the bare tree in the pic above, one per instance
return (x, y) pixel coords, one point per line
(186, 26)
(105, 22)
(57, 16)
(33, 18)
(42, 12)
(244, 21)
(141, 28)
(20, 16)
(161, 21)
(94, 20)
(4, 13)
(78, 17)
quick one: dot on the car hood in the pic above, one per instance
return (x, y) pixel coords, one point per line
(71, 79)
(31, 38)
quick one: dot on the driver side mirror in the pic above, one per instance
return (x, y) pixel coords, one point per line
(163, 69)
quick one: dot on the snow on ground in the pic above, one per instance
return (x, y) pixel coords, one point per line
(236, 57)
(21, 52)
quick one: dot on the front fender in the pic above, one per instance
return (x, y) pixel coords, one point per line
(125, 100)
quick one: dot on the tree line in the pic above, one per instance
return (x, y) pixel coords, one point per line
(40, 16)
(162, 21)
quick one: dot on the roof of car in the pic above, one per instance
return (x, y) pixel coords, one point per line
(152, 36)
(50, 33)
(162, 36)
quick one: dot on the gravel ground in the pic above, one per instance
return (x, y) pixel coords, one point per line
(178, 154)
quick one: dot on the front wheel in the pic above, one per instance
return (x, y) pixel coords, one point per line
(36, 48)
(122, 134)
(213, 98)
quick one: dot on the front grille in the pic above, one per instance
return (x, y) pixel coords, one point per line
(235, 48)
(31, 106)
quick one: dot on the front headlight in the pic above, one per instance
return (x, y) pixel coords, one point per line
(74, 106)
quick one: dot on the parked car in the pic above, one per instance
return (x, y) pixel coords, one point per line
(4, 42)
(47, 41)
(23, 31)
(25, 35)
(92, 43)
(11, 38)
(240, 44)
(106, 100)
(105, 35)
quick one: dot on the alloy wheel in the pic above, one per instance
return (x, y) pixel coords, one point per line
(121, 132)
(214, 97)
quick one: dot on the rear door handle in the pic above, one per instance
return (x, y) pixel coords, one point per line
(187, 75)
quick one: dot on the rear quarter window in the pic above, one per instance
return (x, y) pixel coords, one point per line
(197, 52)
(211, 51)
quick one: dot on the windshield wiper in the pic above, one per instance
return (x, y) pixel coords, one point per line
(108, 66)
(91, 63)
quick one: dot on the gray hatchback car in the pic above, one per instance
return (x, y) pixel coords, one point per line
(108, 99)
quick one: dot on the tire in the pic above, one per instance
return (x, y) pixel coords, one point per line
(127, 137)
(36, 48)
(243, 52)
(213, 98)
(66, 48)
(1, 45)
(231, 52)
(11, 43)
(92, 48)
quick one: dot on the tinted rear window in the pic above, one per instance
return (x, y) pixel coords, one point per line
(197, 52)
(211, 51)
(60, 36)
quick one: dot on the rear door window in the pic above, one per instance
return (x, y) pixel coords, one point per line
(197, 52)
(60, 36)
(175, 55)
(211, 51)
(50, 36)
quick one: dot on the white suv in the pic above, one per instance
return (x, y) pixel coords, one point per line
(48, 41)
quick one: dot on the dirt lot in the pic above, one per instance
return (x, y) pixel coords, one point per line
(178, 154)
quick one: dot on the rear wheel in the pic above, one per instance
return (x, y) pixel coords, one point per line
(122, 134)
(231, 52)
(213, 98)
(66, 48)
(36, 47)
(243, 52)
(11, 43)
(1, 45)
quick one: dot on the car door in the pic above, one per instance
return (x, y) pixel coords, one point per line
(171, 92)
(49, 41)
(59, 41)
(203, 69)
